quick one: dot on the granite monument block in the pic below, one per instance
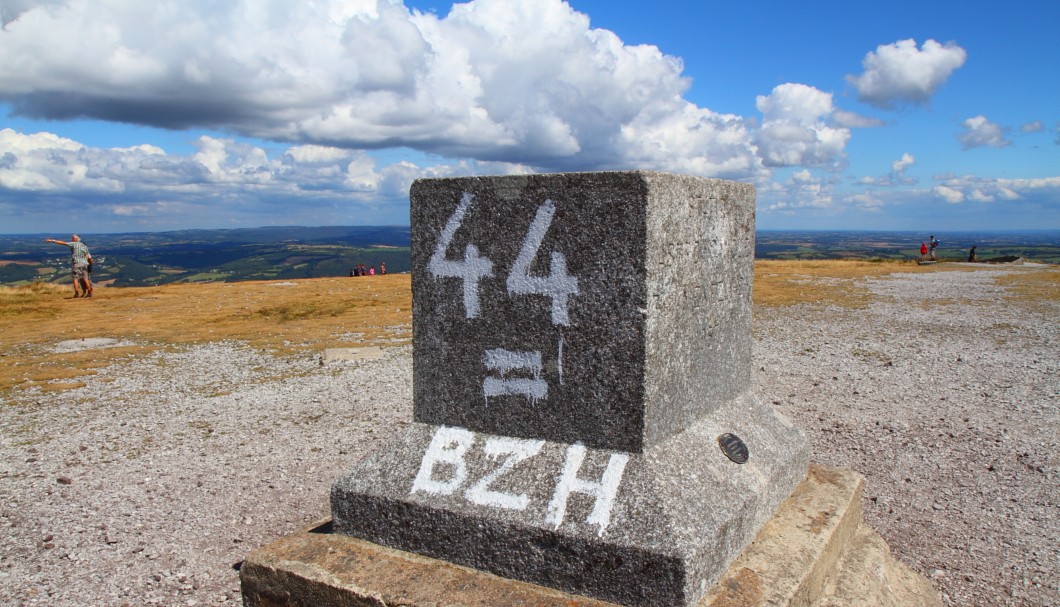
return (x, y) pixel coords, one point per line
(607, 308)
(581, 346)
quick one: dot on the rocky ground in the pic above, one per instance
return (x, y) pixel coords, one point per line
(150, 485)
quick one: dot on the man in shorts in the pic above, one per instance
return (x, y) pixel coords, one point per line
(80, 262)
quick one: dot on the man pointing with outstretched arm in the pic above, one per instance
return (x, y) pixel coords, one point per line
(80, 263)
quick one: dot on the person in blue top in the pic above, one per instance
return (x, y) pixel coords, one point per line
(933, 244)
(80, 263)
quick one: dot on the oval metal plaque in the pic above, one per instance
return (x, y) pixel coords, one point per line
(733, 448)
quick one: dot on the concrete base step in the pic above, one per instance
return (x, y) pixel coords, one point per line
(814, 552)
(817, 552)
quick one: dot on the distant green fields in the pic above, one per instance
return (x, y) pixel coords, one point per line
(1039, 246)
(291, 252)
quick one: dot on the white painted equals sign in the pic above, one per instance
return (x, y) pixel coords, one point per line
(505, 361)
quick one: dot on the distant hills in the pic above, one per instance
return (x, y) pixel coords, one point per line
(270, 253)
(154, 258)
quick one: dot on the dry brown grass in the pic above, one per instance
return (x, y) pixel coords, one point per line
(283, 317)
(825, 282)
(293, 317)
(24, 302)
(842, 282)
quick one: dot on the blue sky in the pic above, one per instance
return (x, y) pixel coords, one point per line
(118, 115)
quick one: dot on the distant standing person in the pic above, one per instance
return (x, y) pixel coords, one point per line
(933, 244)
(382, 268)
(971, 255)
(923, 251)
(80, 263)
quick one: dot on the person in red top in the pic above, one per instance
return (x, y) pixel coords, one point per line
(923, 251)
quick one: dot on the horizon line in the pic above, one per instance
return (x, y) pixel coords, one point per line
(408, 227)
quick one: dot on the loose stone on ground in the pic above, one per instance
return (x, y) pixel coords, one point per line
(942, 392)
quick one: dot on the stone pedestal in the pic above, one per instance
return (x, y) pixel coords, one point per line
(815, 552)
(581, 356)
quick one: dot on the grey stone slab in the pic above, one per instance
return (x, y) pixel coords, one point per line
(607, 308)
(654, 528)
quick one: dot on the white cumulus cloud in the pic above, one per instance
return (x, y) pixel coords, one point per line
(980, 132)
(897, 175)
(903, 163)
(956, 189)
(900, 73)
(802, 190)
(950, 195)
(867, 202)
(528, 82)
(223, 180)
(44, 162)
(1035, 126)
(796, 128)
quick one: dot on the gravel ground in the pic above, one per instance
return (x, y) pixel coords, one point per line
(946, 399)
(151, 484)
